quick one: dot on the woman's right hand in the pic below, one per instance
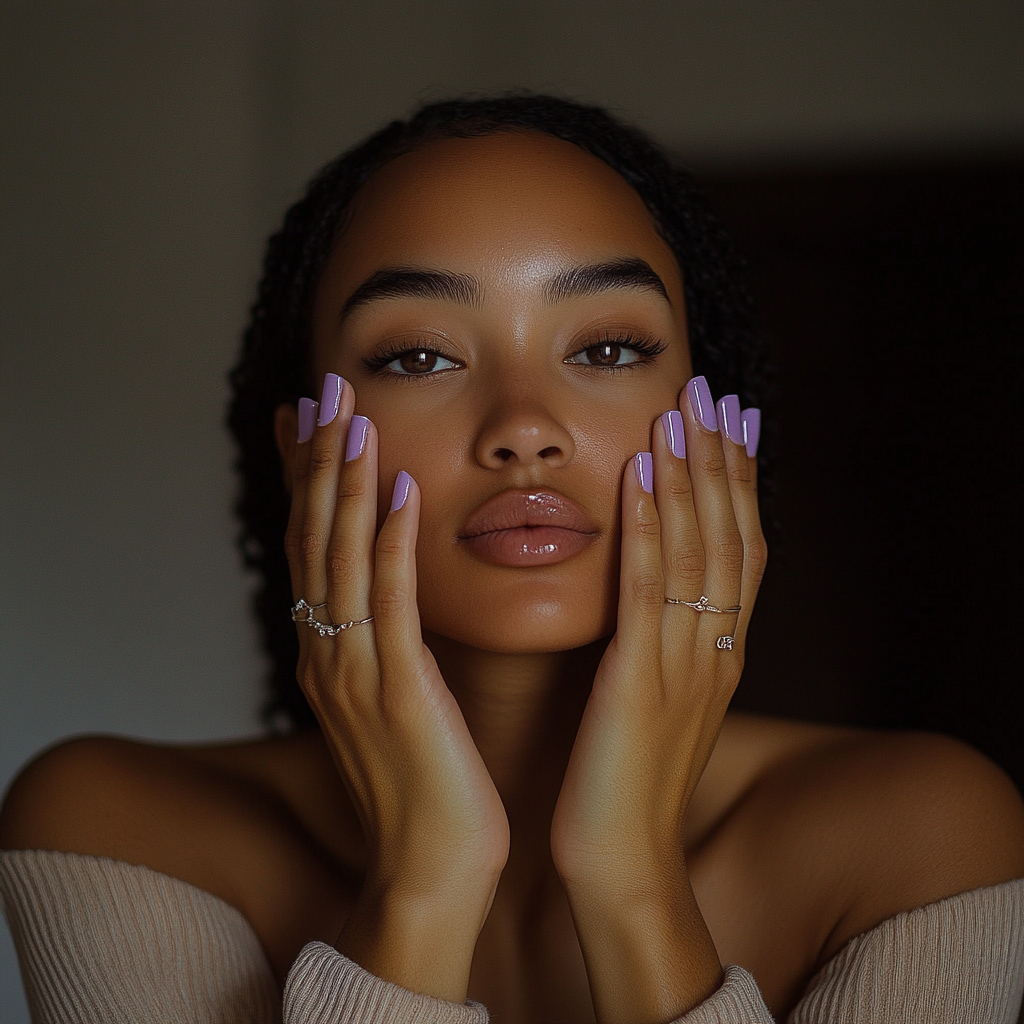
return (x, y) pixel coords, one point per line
(436, 832)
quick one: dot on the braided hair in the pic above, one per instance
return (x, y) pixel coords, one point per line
(274, 365)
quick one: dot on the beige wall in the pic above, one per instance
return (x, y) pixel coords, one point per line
(148, 147)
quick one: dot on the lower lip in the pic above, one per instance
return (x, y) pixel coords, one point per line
(528, 545)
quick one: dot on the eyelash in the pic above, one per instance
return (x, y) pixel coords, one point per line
(647, 347)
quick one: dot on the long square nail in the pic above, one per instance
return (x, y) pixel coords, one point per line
(644, 466)
(401, 491)
(330, 399)
(703, 404)
(729, 418)
(672, 424)
(751, 430)
(307, 419)
(356, 442)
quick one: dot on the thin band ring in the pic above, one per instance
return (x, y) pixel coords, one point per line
(704, 606)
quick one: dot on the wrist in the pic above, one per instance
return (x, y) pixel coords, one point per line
(418, 935)
(649, 954)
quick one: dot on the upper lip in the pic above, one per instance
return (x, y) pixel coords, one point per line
(534, 507)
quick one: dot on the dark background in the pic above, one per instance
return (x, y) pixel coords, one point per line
(893, 298)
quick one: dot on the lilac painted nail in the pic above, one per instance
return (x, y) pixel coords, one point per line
(751, 430)
(307, 419)
(356, 437)
(401, 491)
(644, 466)
(672, 424)
(330, 399)
(703, 404)
(729, 418)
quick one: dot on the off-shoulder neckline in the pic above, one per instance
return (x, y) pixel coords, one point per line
(122, 865)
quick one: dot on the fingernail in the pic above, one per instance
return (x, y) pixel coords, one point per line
(356, 437)
(703, 405)
(672, 424)
(307, 419)
(330, 398)
(729, 418)
(751, 430)
(644, 466)
(401, 491)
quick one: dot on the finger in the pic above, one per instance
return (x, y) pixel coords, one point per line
(641, 581)
(325, 459)
(349, 564)
(742, 470)
(393, 596)
(307, 412)
(682, 551)
(716, 520)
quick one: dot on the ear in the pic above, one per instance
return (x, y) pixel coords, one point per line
(286, 432)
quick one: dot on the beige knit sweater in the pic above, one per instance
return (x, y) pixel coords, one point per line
(102, 940)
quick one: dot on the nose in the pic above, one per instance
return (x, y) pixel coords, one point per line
(527, 436)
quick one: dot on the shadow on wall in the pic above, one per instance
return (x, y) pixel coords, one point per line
(893, 302)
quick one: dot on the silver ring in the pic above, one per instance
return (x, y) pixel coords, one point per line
(703, 606)
(323, 628)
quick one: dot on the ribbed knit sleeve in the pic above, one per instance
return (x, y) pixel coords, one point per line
(100, 940)
(325, 987)
(958, 960)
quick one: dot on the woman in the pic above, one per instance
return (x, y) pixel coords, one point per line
(523, 548)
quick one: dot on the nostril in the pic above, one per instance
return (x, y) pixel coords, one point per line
(548, 452)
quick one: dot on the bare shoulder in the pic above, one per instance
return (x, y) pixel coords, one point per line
(114, 797)
(881, 822)
(220, 817)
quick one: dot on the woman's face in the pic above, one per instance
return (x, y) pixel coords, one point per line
(536, 269)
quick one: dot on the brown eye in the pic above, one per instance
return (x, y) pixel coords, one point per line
(414, 362)
(605, 354)
(417, 361)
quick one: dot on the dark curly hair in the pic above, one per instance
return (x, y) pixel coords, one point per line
(273, 367)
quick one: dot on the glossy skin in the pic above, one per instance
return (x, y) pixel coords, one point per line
(543, 808)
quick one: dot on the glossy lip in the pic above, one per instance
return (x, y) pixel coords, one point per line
(528, 528)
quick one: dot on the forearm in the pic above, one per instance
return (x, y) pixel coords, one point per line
(650, 957)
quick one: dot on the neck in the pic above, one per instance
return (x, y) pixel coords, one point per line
(523, 712)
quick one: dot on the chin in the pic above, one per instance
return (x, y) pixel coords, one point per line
(538, 627)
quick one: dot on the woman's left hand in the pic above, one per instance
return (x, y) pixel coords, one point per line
(660, 695)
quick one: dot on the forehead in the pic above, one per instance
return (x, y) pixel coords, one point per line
(504, 207)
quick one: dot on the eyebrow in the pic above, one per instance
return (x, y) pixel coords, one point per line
(465, 290)
(417, 283)
(598, 277)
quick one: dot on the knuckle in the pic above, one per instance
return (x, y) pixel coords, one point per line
(679, 489)
(739, 474)
(648, 526)
(390, 547)
(310, 544)
(648, 589)
(729, 547)
(341, 568)
(687, 562)
(321, 459)
(351, 488)
(712, 463)
(755, 558)
(388, 599)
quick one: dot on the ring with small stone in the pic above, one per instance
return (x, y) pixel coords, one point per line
(704, 606)
(323, 628)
